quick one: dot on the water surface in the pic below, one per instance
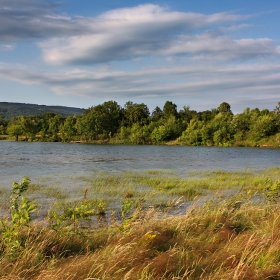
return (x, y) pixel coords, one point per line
(60, 161)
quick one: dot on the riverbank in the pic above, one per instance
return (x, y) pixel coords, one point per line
(269, 142)
(233, 234)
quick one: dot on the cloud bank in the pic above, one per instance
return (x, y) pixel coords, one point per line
(190, 55)
(205, 82)
(145, 30)
(35, 19)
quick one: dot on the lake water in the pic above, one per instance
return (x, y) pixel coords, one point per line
(60, 161)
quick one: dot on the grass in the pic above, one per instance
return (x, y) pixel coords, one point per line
(234, 233)
(215, 241)
(153, 187)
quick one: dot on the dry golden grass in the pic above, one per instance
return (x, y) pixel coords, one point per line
(228, 237)
(215, 241)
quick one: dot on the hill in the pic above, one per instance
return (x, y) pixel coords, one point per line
(9, 110)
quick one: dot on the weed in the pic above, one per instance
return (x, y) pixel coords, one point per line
(20, 216)
(127, 206)
(73, 215)
(272, 190)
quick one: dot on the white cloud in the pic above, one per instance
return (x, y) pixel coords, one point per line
(221, 47)
(7, 47)
(207, 81)
(127, 33)
(200, 58)
(120, 34)
(235, 27)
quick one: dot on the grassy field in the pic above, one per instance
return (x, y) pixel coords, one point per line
(148, 225)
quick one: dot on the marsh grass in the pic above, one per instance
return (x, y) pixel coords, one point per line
(54, 192)
(155, 187)
(243, 180)
(214, 241)
(225, 233)
(142, 185)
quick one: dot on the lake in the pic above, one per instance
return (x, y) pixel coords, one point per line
(62, 161)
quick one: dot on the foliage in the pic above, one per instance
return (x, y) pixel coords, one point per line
(272, 190)
(3, 125)
(69, 130)
(127, 207)
(15, 129)
(159, 134)
(224, 108)
(133, 124)
(233, 234)
(135, 113)
(169, 109)
(157, 114)
(73, 215)
(9, 110)
(20, 217)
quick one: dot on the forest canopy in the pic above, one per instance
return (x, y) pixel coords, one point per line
(135, 124)
(8, 110)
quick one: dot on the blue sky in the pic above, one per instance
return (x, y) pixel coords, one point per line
(195, 53)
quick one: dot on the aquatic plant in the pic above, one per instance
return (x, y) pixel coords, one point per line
(72, 216)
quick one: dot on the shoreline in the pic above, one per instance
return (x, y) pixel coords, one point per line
(170, 143)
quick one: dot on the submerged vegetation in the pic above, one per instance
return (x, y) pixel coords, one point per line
(133, 124)
(148, 225)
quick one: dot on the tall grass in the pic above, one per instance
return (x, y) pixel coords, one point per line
(232, 236)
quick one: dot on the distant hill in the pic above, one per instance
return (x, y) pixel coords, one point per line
(9, 110)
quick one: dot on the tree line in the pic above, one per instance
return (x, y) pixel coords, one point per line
(8, 110)
(135, 124)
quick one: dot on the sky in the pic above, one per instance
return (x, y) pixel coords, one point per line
(197, 53)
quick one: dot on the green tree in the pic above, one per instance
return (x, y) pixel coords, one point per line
(139, 134)
(15, 128)
(31, 126)
(207, 115)
(109, 115)
(222, 137)
(101, 121)
(136, 113)
(240, 126)
(43, 123)
(124, 133)
(221, 127)
(186, 115)
(276, 113)
(157, 114)
(86, 126)
(68, 130)
(277, 109)
(55, 124)
(3, 125)
(170, 109)
(206, 133)
(192, 135)
(264, 126)
(224, 108)
(159, 134)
